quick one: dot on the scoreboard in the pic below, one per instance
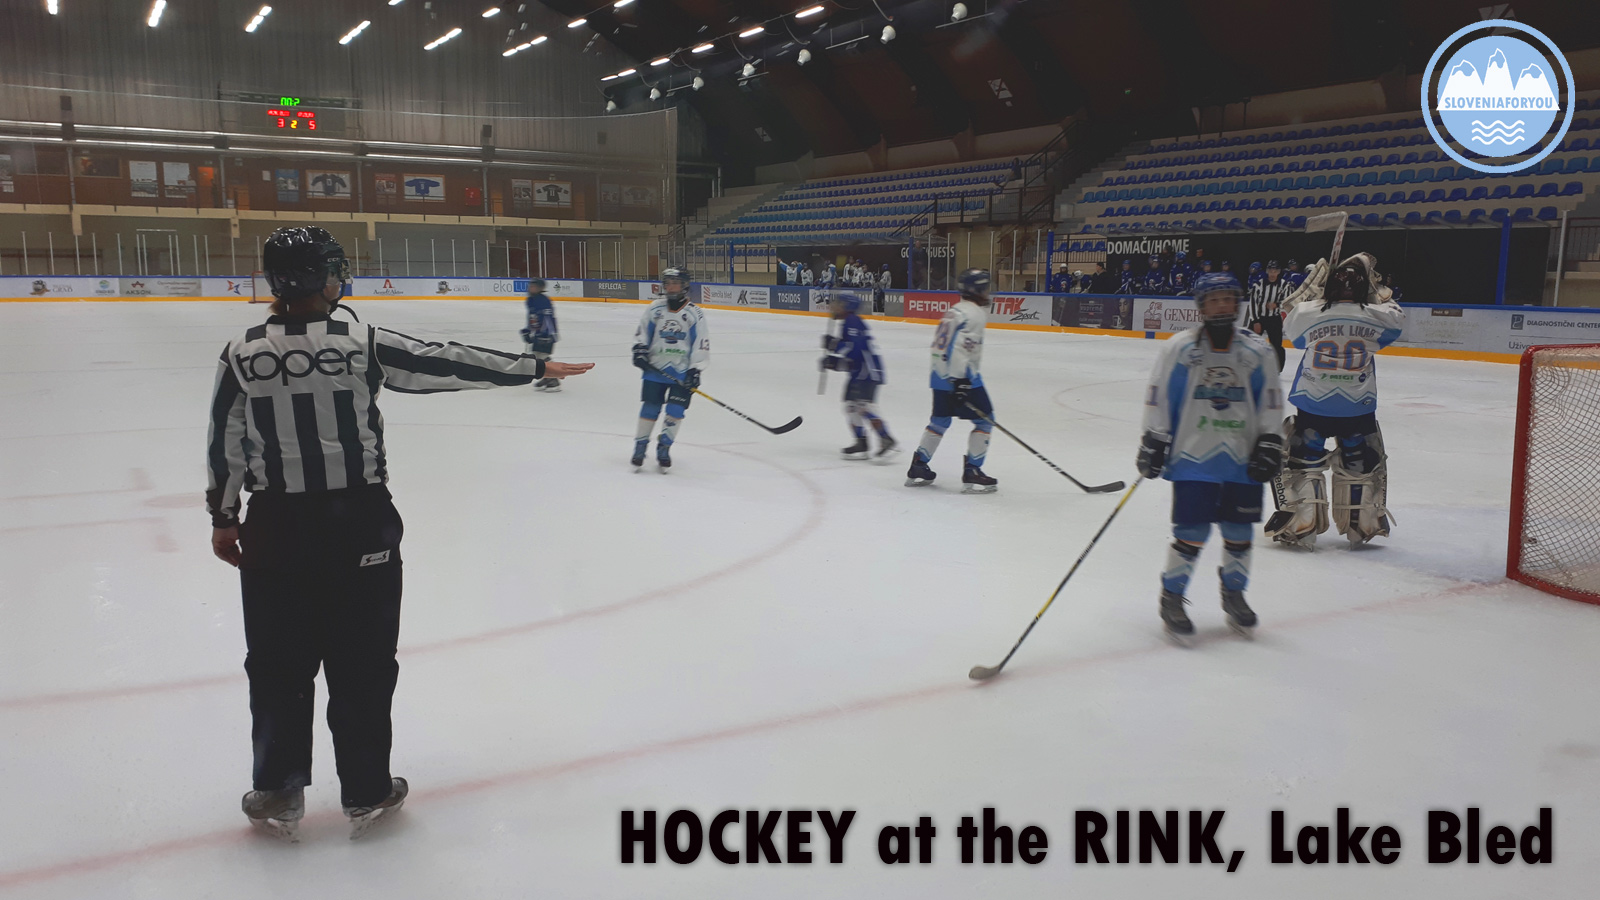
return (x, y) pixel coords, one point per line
(288, 115)
(286, 119)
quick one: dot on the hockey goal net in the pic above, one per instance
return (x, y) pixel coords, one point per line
(260, 291)
(1555, 479)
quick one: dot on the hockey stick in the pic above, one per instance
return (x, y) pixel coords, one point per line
(822, 377)
(982, 673)
(781, 429)
(1091, 489)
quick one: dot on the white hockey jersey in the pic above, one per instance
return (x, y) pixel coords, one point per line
(678, 341)
(1338, 375)
(1213, 405)
(958, 345)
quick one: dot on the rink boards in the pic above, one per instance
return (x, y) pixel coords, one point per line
(1490, 333)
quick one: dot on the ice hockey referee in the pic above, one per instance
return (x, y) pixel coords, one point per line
(295, 421)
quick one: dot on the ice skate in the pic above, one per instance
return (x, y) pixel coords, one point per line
(1179, 628)
(663, 456)
(549, 385)
(973, 481)
(639, 448)
(276, 813)
(1241, 618)
(362, 818)
(858, 450)
(919, 475)
(887, 450)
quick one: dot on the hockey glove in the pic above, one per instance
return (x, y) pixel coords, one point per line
(691, 379)
(831, 363)
(829, 342)
(641, 357)
(1266, 461)
(1152, 454)
(961, 390)
(527, 336)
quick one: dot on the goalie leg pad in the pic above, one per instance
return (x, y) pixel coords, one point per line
(1300, 492)
(1361, 488)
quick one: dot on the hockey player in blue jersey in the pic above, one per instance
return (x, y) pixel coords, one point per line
(1126, 278)
(853, 352)
(1257, 275)
(1154, 282)
(1293, 275)
(672, 346)
(1211, 420)
(541, 332)
(958, 387)
(1341, 318)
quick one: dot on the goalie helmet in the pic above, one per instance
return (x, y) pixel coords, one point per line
(1356, 280)
(299, 261)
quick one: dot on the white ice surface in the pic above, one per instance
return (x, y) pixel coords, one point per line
(767, 627)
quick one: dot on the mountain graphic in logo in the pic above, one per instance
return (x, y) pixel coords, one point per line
(1485, 108)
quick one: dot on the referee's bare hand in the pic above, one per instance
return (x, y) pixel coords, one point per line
(555, 369)
(225, 545)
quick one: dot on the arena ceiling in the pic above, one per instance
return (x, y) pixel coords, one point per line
(1009, 64)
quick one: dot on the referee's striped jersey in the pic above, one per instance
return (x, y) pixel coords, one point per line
(295, 405)
(1266, 298)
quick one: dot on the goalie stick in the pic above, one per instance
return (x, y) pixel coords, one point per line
(1087, 488)
(983, 673)
(785, 428)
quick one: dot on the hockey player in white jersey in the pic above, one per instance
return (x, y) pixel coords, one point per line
(1211, 419)
(1341, 319)
(671, 346)
(958, 387)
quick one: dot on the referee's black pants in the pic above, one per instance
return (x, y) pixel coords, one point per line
(1272, 331)
(321, 580)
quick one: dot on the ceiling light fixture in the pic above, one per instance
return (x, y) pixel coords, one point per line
(888, 34)
(655, 93)
(608, 78)
(748, 70)
(804, 57)
(448, 35)
(620, 4)
(808, 12)
(611, 106)
(491, 12)
(539, 40)
(394, 2)
(52, 7)
(703, 48)
(576, 22)
(752, 32)
(958, 12)
(661, 62)
(261, 16)
(626, 72)
(355, 32)
(697, 83)
(156, 9)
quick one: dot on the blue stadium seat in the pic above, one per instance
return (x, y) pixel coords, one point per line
(1571, 188)
(1436, 196)
(1548, 213)
(1453, 216)
(1501, 192)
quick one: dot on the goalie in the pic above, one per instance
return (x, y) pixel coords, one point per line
(1341, 316)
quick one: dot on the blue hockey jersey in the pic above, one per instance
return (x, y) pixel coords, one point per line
(1213, 405)
(542, 316)
(855, 345)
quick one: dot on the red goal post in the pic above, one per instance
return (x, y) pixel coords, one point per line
(1554, 541)
(260, 291)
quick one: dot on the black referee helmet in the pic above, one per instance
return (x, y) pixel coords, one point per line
(299, 261)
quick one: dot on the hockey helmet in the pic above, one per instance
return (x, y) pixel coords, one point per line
(974, 285)
(846, 302)
(299, 261)
(675, 295)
